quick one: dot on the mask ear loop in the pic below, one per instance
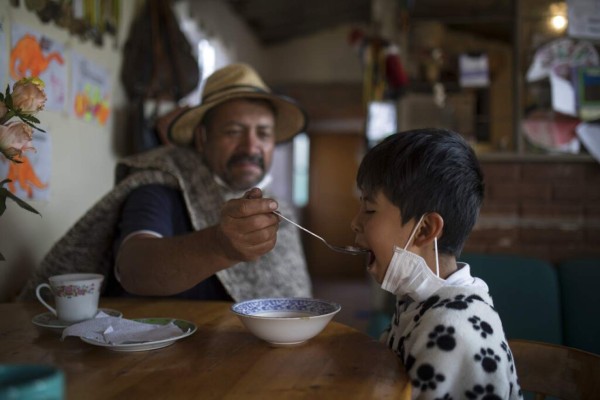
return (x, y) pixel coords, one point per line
(414, 231)
(412, 235)
(437, 260)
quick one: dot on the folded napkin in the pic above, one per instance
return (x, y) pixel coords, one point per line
(116, 330)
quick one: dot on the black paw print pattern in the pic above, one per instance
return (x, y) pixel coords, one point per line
(398, 349)
(509, 356)
(402, 302)
(483, 393)
(427, 378)
(401, 351)
(446, 397)
(488, 358)
(410, 361)
(460, 302)
(442, 337)
(426, 305)
(480, 325)
(391, 340)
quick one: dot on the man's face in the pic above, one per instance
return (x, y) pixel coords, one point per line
(238, 142)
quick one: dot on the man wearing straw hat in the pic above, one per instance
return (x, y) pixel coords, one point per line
(194, 220)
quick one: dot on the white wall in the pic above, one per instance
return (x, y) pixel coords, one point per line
(83, 157)
(322, 57)
(222, 26)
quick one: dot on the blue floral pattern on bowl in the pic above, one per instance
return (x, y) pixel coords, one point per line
(303, 305)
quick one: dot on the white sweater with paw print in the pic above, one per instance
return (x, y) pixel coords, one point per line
(453, 345)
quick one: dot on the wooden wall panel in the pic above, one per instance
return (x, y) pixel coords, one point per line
(333, 202)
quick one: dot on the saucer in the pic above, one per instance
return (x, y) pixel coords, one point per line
(49, 321)
(187, 328)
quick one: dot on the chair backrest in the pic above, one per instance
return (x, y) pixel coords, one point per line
(579, 280)
(562, 372)
(525, 292)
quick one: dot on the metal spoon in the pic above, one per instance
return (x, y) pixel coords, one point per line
(346, 249)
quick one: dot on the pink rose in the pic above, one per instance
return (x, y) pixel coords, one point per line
(15, 138)
(28, 95)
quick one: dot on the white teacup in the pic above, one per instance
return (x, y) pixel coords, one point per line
(76, 296)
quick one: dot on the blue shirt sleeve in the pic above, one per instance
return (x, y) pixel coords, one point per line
(155, 208)
(161, 209)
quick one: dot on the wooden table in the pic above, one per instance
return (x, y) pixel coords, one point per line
(222, 360)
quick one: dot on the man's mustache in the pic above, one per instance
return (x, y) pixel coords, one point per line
(247, 158)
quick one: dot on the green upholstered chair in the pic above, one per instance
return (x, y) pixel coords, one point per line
(526, 294)
(579, 279)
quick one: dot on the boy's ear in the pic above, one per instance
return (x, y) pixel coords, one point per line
(432, 227)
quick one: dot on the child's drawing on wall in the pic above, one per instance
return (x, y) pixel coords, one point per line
(30, 178)
(33, 54)
(90, 91)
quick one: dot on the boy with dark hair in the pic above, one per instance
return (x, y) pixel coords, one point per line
(421, 191)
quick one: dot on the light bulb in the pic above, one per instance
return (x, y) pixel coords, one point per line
(558, 22)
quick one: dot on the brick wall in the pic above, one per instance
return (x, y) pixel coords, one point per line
(549, 210)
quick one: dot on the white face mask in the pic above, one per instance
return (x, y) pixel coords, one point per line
(408, 273)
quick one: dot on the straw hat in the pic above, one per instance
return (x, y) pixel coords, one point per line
(233, 82)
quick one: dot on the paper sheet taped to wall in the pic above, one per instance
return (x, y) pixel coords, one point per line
(474, 70)
(583, 18)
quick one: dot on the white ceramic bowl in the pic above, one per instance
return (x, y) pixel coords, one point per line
(285, 321)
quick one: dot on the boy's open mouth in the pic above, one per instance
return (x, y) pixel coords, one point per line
(371, 256)
(372, 259)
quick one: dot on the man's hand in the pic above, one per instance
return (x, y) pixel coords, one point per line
(248, 228)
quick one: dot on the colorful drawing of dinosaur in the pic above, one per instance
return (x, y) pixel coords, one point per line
(24, 174)
(27, 55)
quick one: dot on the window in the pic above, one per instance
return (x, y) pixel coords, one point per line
(301, 158)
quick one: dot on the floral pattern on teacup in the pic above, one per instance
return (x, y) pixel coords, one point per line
(69, 291)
